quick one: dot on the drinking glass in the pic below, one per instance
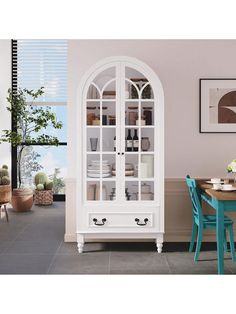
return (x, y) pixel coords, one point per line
(94, 143)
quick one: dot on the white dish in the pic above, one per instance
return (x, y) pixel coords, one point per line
(215, 182)
(97, 175)
(229, 190)
(98, 171)
(93, 167)
(98, 162)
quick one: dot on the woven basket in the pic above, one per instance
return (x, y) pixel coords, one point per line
(43, 197)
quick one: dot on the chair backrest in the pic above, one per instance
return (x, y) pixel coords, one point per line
(195, 198)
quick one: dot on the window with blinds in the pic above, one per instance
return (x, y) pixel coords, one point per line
(43, 63)
(37, 63)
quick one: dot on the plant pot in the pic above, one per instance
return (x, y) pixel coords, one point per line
(22, 200)
(43, 197)
(5, 194)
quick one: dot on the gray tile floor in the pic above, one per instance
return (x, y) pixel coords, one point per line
(32, 243)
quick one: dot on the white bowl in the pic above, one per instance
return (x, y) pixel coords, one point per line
(215, 180)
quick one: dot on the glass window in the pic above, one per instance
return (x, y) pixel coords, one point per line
(43, 63)
(48, 159)
(61, 134)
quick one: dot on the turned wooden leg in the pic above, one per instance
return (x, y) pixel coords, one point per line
(159, 246)
(80, 243)
(80, 247)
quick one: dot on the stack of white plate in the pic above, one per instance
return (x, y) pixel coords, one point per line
(94, 167)
(129, 169)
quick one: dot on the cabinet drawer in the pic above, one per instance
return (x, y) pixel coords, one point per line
(121, 220)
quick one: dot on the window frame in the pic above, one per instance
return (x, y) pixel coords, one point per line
(56, 197)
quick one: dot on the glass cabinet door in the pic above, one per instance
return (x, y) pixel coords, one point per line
(120, 137)
(138, 137)
(101, 135)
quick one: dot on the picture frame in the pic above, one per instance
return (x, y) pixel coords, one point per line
(217, 105)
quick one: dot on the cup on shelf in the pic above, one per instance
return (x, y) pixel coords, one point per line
(145, 144)
(94, 143)
(217, 186)
(215, 180)
(141, 122)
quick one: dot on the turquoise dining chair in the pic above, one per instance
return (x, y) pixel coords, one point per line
(201, 222)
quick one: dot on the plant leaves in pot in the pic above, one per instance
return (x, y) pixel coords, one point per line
(30, 124)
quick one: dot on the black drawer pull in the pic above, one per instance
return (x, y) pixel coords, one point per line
(141, 224)
(99, 224)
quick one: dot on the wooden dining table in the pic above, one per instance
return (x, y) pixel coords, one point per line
(222, 202)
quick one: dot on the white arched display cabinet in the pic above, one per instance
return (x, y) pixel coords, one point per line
(120, 182)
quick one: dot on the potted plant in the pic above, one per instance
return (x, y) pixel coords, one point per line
(43, 194)
(231, 169)
(29, 120)
(5, 188)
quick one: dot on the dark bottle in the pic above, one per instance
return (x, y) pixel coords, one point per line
(129, 142)
(135, 141)
(114, 143)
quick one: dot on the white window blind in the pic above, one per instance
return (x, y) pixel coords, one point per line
(43, 63)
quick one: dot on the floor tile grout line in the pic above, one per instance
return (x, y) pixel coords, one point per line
(13, 241)
(54, 257)
(109, 262)
(168, 265)
(229, 269)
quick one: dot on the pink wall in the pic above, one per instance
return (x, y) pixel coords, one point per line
(179, 65)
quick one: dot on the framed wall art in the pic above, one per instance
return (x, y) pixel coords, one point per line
(217, 105)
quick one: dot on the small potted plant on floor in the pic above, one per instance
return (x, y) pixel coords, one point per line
(43, 194)
(29, 121)
(5, 188)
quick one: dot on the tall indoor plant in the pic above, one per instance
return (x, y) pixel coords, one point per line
(28, 120)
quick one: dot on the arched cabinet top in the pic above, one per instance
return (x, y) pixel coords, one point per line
(128, 62)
